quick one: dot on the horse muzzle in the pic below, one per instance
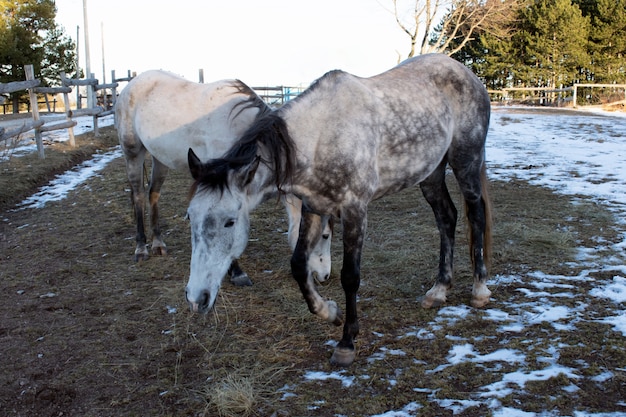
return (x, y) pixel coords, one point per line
(201, 304)
(321, 279)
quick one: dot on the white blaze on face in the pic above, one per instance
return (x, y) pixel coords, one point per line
(219, 234)
(319, 262)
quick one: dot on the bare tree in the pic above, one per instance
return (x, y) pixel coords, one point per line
(435, 25)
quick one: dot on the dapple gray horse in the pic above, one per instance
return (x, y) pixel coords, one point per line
(165, 115)
(341, 144)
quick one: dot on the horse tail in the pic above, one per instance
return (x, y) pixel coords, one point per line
(487, 213)
(487, 239)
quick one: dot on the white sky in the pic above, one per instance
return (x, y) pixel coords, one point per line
(263, 43)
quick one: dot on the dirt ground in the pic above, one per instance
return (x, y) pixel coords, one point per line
(85, 331)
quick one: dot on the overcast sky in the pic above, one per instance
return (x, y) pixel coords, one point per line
(262, 42)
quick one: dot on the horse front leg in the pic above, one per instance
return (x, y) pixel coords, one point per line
(354, 226)
(310, 232)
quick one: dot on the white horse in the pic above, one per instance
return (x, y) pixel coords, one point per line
(165, 115)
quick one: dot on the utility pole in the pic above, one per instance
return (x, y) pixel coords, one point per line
(77, 76)
(90, 103)
(104, 72)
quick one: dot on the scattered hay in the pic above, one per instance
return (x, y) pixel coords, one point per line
(240, 393)
(235, 395)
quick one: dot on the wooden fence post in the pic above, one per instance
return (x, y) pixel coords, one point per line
(30, 75)
(68, 111)
(94, 103)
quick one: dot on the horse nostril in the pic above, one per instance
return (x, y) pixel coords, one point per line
(203, 301)
(201, 304)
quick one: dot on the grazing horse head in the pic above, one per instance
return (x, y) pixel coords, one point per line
(222, 197)
(220, 223)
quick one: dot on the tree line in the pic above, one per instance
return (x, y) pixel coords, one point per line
(507, 43)
(547, 43)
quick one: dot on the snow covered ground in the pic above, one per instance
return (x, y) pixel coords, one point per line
(58, 188)
(25, 143)
(568, 151)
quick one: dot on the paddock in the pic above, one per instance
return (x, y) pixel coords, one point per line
(85, 331)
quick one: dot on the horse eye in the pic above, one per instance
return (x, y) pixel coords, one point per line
(229, 223)
(187, 216)
(325, 236)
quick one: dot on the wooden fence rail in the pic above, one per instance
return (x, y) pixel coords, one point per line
(552, 95)
(32, 85)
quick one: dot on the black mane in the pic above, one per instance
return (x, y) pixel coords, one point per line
(253, 101)
(270, 133)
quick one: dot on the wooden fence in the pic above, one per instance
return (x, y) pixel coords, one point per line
(32, 85)
(560, 96)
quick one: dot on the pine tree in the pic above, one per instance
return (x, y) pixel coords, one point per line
(29, 35)
(552, 43)
(607, 39)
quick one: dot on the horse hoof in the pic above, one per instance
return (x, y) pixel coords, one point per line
(342, 357)
(479, 302)
(430, 302)
(159, 251)
(139, 257)
(338, 318)
(480, 294)
(242, 280)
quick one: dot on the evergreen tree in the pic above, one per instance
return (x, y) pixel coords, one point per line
(552, 42)
(59, 55)
(29, 35)
(607, 39)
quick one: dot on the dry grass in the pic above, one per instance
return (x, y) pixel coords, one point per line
(116, 338)
(19, 176)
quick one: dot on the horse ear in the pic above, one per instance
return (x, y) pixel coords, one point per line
(246, 175)
(194, 164)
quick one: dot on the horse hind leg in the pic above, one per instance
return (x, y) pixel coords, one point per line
(478, 211)
(134, 171)
(159, 172)
(436, 193)
(237, 275)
